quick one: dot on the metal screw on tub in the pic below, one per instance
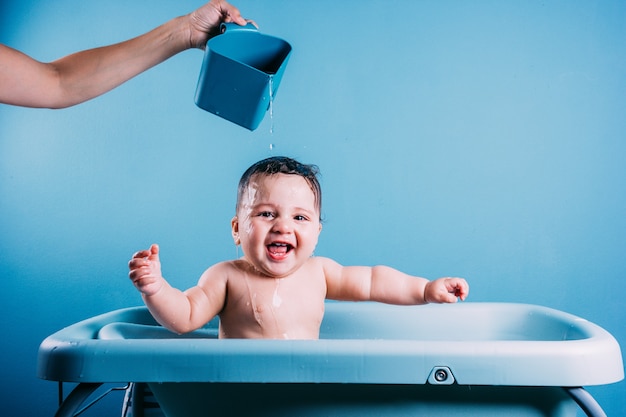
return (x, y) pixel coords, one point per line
(441, 375)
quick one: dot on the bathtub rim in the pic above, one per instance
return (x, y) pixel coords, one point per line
(73, 354)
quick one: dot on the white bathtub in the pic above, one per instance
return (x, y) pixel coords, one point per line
(372, 359)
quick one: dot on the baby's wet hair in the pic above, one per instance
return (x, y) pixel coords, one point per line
(282, 165)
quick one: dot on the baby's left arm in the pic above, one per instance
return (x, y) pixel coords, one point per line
(392, 286)
(388, 285)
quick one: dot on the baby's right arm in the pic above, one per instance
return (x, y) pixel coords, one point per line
(180, 312)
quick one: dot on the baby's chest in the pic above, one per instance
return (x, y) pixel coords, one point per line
(283, 299)
(288, 301)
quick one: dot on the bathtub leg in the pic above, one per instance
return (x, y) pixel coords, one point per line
(74, 400)
(586, 402)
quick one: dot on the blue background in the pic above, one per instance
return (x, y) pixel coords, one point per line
(481, 139)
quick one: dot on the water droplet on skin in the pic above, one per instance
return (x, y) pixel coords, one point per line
(276, 300)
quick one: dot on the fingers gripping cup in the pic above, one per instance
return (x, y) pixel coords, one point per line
(240, 74)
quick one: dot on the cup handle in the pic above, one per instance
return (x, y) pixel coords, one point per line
(231, 27)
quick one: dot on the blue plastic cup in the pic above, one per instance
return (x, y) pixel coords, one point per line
(240, 74)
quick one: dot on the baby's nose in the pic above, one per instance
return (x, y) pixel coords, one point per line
(282, 225)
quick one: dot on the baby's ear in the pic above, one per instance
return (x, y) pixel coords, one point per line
(234, 224)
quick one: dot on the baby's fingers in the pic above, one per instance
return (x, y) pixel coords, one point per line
(135, 263)
(458, 287)
(139, 272)
(148, 285)
(142, 254)
(151, 251)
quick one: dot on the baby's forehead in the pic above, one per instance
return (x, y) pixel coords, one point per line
(262, 185)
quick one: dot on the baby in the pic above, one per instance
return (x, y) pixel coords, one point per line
(276, 290)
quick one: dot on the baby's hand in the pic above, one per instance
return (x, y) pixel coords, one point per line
(446, 290)
(145, 271)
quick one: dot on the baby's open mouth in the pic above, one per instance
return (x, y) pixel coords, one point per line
(278, 248)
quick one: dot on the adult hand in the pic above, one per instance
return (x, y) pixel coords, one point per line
(205, 21)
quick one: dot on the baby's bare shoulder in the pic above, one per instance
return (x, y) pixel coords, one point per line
(222, 271)
(321, 261)
(326, 265)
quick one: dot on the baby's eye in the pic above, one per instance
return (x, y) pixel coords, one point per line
(266, 214)
(300, 217)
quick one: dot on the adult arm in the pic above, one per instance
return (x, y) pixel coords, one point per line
(84, 75)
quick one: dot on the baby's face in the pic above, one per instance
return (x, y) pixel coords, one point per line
(277, 224)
